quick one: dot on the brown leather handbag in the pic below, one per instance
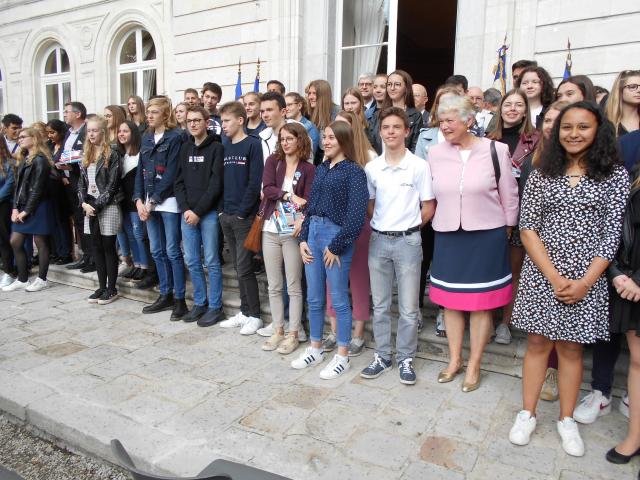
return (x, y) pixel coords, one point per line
(253, 242)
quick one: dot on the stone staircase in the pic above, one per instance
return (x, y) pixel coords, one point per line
(506, 359)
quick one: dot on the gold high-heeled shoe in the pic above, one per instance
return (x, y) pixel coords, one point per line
(445, 377)
(470, 387)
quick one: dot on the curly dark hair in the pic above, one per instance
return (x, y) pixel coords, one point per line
(602, 156)
(548, 93)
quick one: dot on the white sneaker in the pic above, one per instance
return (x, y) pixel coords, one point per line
(523, 427)
(238, 320)
(571, 440)
(6, 280)
(267, 331)
(15, 285)
(308, 358)
(591, 407)
(37, 285)
(503, 334)
(336, 368)
(251, 326)
(623, 406)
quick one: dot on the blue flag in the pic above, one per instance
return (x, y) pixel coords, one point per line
(256, 83)
(568, 63)
(500, 72)
(239, 83)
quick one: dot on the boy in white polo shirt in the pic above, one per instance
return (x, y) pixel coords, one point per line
(401, 200)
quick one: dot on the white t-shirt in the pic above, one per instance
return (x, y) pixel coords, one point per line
(398, 191)
(269, 225)
(170, 204)
(534, 114)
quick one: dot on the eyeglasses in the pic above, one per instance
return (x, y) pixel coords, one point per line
(22, 137)
(632, 87)
(289, 105)
(108, 115)
(508, 106)
(394, 84)
(287, 140)
(195, 121)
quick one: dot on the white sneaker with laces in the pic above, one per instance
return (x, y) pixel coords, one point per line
(268, 330)
(6, 280)
(251, 326)
(37, 285)
(523, 427)
(571, 440)
(308, 358)
(15, 285)
(336, 367)
(623, 406)
(503, 334)
(238, 320)
(594, 405)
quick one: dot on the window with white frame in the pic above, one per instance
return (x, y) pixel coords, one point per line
(55, 82)
(136, 66)
(2, 112)
(365, 39)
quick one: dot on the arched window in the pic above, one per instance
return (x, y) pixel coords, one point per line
(136, 66)
(56, 82)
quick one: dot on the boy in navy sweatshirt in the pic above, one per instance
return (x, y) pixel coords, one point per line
(243, 165)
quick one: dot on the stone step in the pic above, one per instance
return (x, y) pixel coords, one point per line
(505, 359)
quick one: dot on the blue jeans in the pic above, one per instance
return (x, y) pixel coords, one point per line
(401, 256)
(164, 240)
(138, 230)
(128, 242)
(321, 232)
(204, 234)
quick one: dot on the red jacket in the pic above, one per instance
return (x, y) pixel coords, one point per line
(273, 178)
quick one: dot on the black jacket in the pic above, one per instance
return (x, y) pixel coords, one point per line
(415, 124)
(623, 263)
(74, 173)
(107, 181)
(198, 185)
(31, 186)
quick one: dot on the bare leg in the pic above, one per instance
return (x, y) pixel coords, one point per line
(630, 444)
(517, 257)
(454, 321)
(569, 375)
(480, 327)
(534, 369)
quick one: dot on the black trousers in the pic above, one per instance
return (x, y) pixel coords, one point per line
(6, 252)
(605, 356)
(105, 256)
(428, 236)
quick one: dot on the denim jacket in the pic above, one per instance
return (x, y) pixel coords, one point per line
(157, 166)
(6, 184)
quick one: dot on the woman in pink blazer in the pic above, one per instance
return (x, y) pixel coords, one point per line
(477, 207)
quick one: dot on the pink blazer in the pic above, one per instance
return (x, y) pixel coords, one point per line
(480, 206)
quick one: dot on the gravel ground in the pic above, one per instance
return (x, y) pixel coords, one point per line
(37, 459)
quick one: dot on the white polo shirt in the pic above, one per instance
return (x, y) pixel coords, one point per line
(398, 191)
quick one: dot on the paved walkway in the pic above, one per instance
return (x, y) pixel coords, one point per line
(179, 396)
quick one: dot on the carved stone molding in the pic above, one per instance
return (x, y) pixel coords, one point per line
(85, 32)
(12, 46)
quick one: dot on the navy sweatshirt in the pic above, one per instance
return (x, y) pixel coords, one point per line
(243, 165)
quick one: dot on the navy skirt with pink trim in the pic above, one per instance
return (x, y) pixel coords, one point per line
(471, 271)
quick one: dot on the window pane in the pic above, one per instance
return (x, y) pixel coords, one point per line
(1, 102)
(128, 52)
(66, 92)
(362, 60)
(52, 97)
(128, 86)
(364, 22)
(53, 116)
(64, 59)
(149, 84)
(0, 75)
(51, 64)
(148, 47)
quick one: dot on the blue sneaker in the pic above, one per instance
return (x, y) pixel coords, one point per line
(407, 375)
(376, 368)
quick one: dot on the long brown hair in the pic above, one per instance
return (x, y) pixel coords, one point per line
(408, 92)
(361, 143)
(321, 114)
(297, 98)
(344, 135)
(139, 116)
(360, 113)
(118, 115)
(526, 128)
(93, 152)
(613, 110)
(304, 142)
(41, 147)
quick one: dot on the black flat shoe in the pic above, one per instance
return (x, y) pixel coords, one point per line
(88, 268)
(613, 456)
(149, 280)
(162, 303)
(211, 318)
(196, 312)
(64, 260)
(179, 310)
(77, 265)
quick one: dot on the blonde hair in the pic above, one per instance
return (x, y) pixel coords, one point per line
(360, 114)
(92, 152)
(321, 114)
(613, 110)
(40, 147)
(164, 104)
(361, 144)
(434, 121)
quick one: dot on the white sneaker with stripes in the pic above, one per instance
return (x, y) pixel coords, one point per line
(308, 358)
(337, 367)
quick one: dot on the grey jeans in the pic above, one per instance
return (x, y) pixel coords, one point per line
(401, 256)
(277, 248)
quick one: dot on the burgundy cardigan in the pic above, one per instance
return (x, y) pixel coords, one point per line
(273, 178)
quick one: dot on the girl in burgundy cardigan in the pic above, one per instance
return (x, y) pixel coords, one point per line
(287, 180)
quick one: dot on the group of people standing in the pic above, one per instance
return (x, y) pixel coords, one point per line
(518, 203)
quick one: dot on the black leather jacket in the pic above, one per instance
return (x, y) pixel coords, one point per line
(107, 181)
(415, 124)
(31, 184)
(622, 264)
